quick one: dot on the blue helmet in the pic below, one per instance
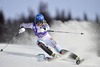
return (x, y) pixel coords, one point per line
(39, 18)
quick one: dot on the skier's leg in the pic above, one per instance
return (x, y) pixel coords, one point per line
(57, 47)
(42, 45)
(53, 44)
(73, 56)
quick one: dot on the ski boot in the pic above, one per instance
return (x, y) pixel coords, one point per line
(78, 60)
(55, 55)
(63, 51)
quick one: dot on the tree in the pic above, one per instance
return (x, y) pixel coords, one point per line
(43, 10)
(31, 15)
(63, 16)
(58, 17)
(2, 20)
(97, 18)
(85, 17)
(77, 19)
(69, 16)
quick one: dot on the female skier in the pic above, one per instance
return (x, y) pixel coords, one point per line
(41, 28)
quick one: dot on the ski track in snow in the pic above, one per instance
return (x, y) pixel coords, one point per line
(83, 45)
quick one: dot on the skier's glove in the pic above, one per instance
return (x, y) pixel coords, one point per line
(21, 30)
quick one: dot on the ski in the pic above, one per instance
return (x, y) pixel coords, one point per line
(52, 59)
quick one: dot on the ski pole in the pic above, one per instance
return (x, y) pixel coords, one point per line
(10, 41)
(64, 32)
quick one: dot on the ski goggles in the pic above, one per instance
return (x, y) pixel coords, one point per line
(39, 21)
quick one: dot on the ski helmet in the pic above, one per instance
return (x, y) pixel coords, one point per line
(39, 18)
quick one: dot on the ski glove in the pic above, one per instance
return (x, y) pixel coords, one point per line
(21, 30)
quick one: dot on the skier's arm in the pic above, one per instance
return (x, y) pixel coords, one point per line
(23, 26)
(26, 25)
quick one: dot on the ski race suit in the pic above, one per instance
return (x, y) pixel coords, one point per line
(42, 34)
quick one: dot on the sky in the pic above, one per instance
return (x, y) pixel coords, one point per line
(13, 8)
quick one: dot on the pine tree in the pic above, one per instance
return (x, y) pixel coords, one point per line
(85, 17)
(43, 10)
(2, 20)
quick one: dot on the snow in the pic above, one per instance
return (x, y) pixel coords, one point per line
(85, 46)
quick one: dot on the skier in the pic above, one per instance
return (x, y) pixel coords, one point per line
(41, 28)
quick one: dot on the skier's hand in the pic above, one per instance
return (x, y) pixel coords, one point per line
(41, 30)
(21, 30)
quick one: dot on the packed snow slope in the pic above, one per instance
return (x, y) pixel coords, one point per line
(86, 46)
